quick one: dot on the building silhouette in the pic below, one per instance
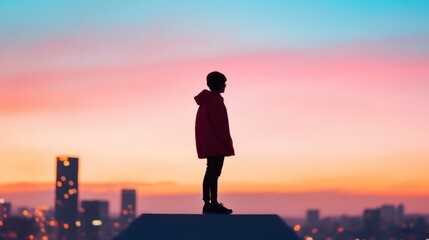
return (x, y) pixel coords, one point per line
(371, 223)
(313, 217)
(95, 220)
(15, 227)
(400, 212)
(5, 209)
(128, 207)
(388, 213)
(66, 197)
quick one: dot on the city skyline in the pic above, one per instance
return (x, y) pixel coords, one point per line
(93, 219)
(95, 222)
(327, 100)
(157, 197)
(293, 204)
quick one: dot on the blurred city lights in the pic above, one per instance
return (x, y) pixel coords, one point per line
(296, 228)
(97, 222)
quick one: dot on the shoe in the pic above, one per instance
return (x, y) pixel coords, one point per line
(207, 209)
(218, 208)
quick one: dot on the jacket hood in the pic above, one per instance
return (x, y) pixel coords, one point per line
(204, 96)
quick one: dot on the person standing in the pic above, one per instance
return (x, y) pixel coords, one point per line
(213, 139)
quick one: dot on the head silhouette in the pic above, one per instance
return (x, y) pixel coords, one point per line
(216, 82)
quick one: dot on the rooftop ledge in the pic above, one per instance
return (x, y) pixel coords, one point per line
(214, 226)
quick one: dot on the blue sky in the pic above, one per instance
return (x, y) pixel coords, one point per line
(244, 24)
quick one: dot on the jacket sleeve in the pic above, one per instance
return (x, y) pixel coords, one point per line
(219, 120)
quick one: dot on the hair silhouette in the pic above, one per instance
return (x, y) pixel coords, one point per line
(215, 80)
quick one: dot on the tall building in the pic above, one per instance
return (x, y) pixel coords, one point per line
(387, 213)
(313, 217)
(66, 197)
(371, 223)
(95, 220)
(128, 207)
(5, 209)
(400, 212)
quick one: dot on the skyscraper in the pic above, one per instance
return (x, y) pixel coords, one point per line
(95, 220)
(66, 197)
(128, 207)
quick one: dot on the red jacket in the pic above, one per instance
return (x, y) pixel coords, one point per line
(211, 126)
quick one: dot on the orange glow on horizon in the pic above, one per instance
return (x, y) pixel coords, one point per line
(351, 186)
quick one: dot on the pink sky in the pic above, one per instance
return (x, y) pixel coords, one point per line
(305, 118)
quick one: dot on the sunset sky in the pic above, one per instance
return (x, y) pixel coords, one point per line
(321, 95)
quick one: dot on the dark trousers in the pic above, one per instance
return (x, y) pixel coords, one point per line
(213, 171)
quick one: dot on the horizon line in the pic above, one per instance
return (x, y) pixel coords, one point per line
(193, 188)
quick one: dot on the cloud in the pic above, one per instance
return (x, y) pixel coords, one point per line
(363, 67)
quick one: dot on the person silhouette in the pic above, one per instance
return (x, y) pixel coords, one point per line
(213, 139)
